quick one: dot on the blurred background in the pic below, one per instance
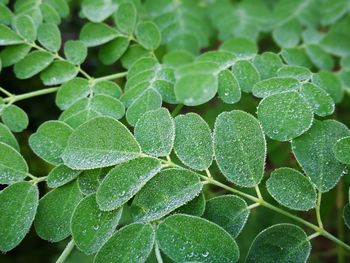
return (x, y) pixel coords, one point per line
(43, 108)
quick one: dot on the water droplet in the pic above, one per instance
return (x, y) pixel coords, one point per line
(122, 194)
(205, 254)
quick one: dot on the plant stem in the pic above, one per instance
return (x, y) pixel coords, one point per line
(312, 236)
(15, 98)
(66, 252)
(157, 252)
(177, 110)
(318, 210)
(5, 92)
(112, 77)
(258, 192)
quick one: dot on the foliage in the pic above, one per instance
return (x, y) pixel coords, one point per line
(135, 165)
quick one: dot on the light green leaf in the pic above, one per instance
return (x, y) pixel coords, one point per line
(330, 83)
(285, 116)
(61, 175)
(133, 54)
(240, 148)
(6, 15)
(280, 243)
(246, 74)
(113, 50)
(267, 64)
(222, 58)
(52, 221)
(75, 51)
(342, 150)
(319, 57)
(13, 167)
(296, 56)
(178, 58)
(292, 189)
(149, 100)
(314, 153)
(100, 142)
(18, 204)
(25, 27)
(296, 72)
(107, 87)
(72, 91)
(132, 243)
(58, 72)
(155, 132)
(228, 211)
(228, 90)
(345, 63)
(7, 137)
(336, 43)
(14, 118)
(98, 10)
(125, 17)
(32, 64)
(195, 207)
(10, 55)
(320, 101)
(95, 34)
(272, 86)
(124, 181)
(50, 140)
(49, 13)
(288, 34)
(167, 191)
(91, 227)
(49, 36)
(192, 239)
(148, 35)
(193, 141)
(241, 47)
(89, 180)
(61, 6)
(9, 37)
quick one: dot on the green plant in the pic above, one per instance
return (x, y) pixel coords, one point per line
(131, 172)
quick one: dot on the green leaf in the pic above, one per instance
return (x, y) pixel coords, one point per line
(61, 175)
(124, 181)
(228, 211)
(330, 83)
(75, 51)
(9, 37)
(296, 72)
(18, 204)
(296, 56)
(49, 36)
(49, 13)
(155, 132)
(193, 141)
(25, 27)
(246, 74)
(222, 58)
(267, 64)
(72, 91)
(58, 72)
(288, 34)
(240, 148)
(133, 54)
(272, 86)
(32, 64)
(52, 221)
(50, 140)
(113, 50)
(89, 180)
(91, 227)
(7, 137)
(285, 116)
(342, 150)
(98, 10)
(125, 17)
(10, 55)
(61, 6)
(178, 58)
(314, 152)
(241, 47)
(195, 207)
(100, 142)
(336, 43)
(192, 239)
(319, 57)
(5, 15)
(148, 35)
(149, 100)
(292, 189)
(228, 90)
(95, 34)
(320, 101)
(132, 243)
(13, 167)
(107, 87)
(14, 118)
(167, 191)
(280, 243)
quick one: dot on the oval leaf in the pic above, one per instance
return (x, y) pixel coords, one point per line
(342, 150)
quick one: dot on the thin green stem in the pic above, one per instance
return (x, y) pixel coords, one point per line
(157, 252)
(318, 210)
(257, 189)
(66, 252)
(312, 236)
(177, 110)
(14, 98)
(5, 92)
(112, 77)
(252, 206)
(208, 173)
(36, 180)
